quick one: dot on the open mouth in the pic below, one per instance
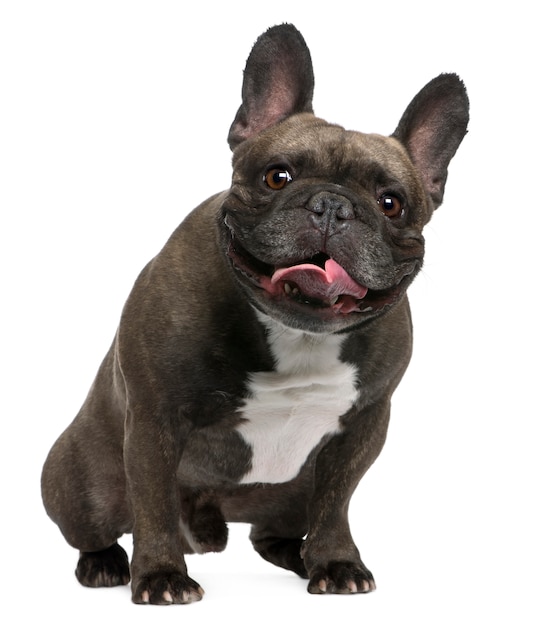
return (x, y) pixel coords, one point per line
(318, 282)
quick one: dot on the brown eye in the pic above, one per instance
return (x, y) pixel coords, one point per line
(390, 205)
(277, 178)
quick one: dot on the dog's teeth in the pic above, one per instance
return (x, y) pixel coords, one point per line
(290, 290)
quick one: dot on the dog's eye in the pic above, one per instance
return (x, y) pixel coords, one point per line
(277, 178)
(390, 205)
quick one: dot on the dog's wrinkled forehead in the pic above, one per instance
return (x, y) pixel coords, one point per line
(316, 149)
(310, 141)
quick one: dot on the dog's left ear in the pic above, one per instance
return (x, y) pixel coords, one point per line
(278, 81)
(432, 128)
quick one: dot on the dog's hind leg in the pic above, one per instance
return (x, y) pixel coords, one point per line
(104, 568)
(283, 552)
(203, 526)
(84, 493)
(278, 518)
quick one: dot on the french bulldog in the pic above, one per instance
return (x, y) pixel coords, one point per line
(251, 375)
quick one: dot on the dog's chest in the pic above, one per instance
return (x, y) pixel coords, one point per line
(290, 410)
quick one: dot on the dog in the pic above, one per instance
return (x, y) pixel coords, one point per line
(251, 374)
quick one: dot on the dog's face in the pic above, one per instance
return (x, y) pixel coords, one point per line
(324, 231)
(323, 226)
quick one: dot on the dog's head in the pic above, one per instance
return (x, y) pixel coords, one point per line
(323, 226)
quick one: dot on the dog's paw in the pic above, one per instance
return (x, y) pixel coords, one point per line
(166, 588)
(106, 568)
(341, 577)
(284, 553)
(209, 531)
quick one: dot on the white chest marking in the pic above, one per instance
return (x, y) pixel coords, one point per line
(292, 408)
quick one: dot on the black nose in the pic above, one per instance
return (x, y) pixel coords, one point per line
(330, 211)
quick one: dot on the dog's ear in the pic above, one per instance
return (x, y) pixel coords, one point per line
(278, 81)
(432, 128)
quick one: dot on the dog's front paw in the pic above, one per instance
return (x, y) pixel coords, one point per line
(166, 588)
(341, 577)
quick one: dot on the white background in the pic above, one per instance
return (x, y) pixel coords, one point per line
(113, 124)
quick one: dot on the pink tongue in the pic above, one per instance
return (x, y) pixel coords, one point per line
(323, 284)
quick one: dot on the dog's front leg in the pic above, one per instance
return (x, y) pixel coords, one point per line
(330, 555)
(153, 445)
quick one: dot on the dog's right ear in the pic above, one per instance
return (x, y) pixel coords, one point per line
(278, 81)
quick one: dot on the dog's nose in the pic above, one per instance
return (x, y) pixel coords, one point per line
(330, 211)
